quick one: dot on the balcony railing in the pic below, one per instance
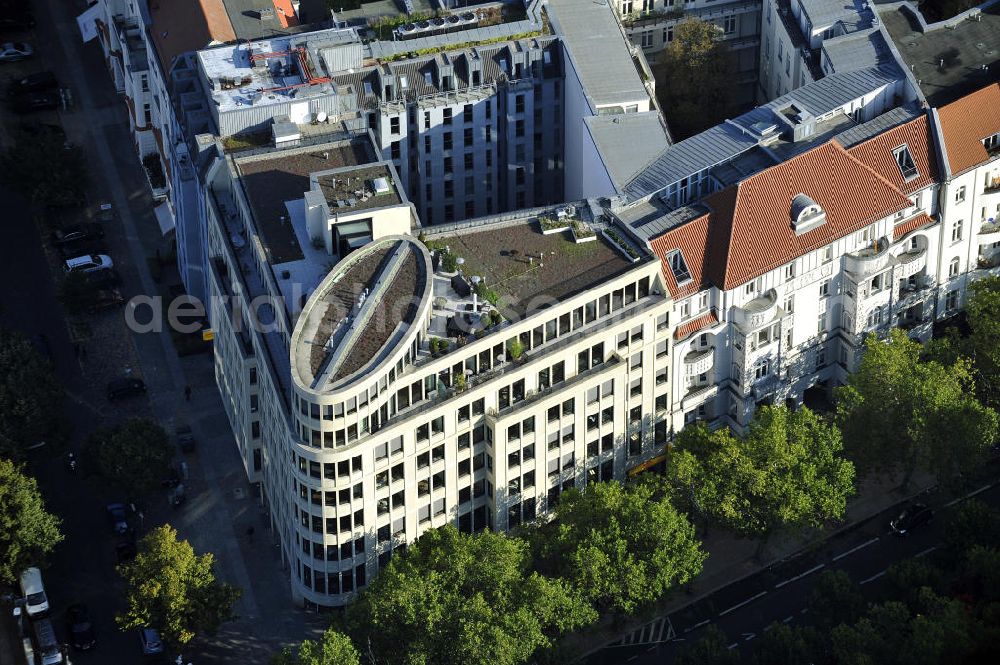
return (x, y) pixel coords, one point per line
(869, 260)
(990, 227)
(699, 362)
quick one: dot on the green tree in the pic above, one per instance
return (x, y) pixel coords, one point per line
(782, 644)
(787, 473)
(620, 546)
(453, 598)
(900, 413)
(77, 293)
(712, 648)
(983, 314)
(30, 397)
(134, 455)
(973, 523)
(27, 531)
(982, 565)
(905, 580)
(835, 599)
(170, 588)
(45, 168)
(694, 79)
(334, 648)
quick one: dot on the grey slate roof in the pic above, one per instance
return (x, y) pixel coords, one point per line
(597, 47)
(726, 141)
(651, 219)
(857, 51)
(627, 142)
(872, 128)
(825, 13)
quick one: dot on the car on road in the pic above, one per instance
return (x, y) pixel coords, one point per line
(914, 515)
(127, 387)
(35, 601)
(88, 263)
(116, 517)
(37, 82)
(79, 627)
(76, 233)
(14, 51)
(104, 279)
(151, 642)
(42, 100)
(185, 438)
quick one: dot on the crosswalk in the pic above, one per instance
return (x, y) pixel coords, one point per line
(656, 631)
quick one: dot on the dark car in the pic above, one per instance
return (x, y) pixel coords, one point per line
(20, 21)
(77, 233)
(104, 279)
(30, 102)
(150, 640)
(129, 387)
(914, 515)
(41, 130)
(125, 550)
(34, 83)
(116, 516)
(105, 299)
(81, 630)
(185, 438)
(81, 248)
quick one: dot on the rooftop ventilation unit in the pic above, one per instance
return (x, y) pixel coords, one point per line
(381, 186)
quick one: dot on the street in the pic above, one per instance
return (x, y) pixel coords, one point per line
(221, 504)
(745, 609)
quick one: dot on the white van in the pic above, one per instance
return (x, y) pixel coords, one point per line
(36, 602)
(49, 649)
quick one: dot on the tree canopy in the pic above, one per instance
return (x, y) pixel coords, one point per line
(170, 588)
(334, 648)
(694, 78)
(454, 598)
(77, 293)
(786, 473)
(983, 315)
(27, 531)
(30, 397)
(898, 412)
(620, 546)
(45, 168)
(135, 455)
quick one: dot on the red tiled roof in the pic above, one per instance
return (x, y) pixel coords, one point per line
(877, 154)
(285, 13)
(694, 325)
(180, 26)
(749, 232)
(911, 224)
(966, 122)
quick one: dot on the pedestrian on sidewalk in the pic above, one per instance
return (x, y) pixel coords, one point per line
(187, 393)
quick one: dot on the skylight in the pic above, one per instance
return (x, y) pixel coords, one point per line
(678, 266)
(904, 160)
(403, 83)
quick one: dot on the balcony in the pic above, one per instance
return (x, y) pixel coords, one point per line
(911, 262)
(993, 187)
(698, 394)
(757, 312)
(870, 260)
(989, 232)
(699, 362)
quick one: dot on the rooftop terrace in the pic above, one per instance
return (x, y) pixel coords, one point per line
(948, 62)
(271, 179)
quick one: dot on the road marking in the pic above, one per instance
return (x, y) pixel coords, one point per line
(799, 577)
(739, 605)
(696, 626)
(768, 627)
(734, 645)
(969, 495)
(926, 551)
(787, 619)
(633, 658)
(872, 578)
(652, 648)
(855, 549)
(748, 636)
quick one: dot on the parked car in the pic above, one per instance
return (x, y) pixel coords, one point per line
(21, 20)
(185, 438)
(125, 550)
(42, 100)
(172, 478)
(116, 517)
(47, 647)
(77, 233)
(36, 82)
(914, 515)
(79, 627)
(14, 51)
(104, 279)
(106, 299)
(82, 248)
(126, 387)
(33, 589)
(150, 640)
(88, 263)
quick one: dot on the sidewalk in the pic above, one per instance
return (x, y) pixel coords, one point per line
(732, 559)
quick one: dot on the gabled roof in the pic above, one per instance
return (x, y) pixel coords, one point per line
(965, 123)
(749, 232)
(911, 224)
(179, 26)
(878, 154)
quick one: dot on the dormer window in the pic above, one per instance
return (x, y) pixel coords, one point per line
(678, 266)
(403, 83)
(806, 214)
(992, 143)
(904, 160)
(428, 78)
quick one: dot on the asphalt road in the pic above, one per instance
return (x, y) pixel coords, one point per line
(744, 610)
